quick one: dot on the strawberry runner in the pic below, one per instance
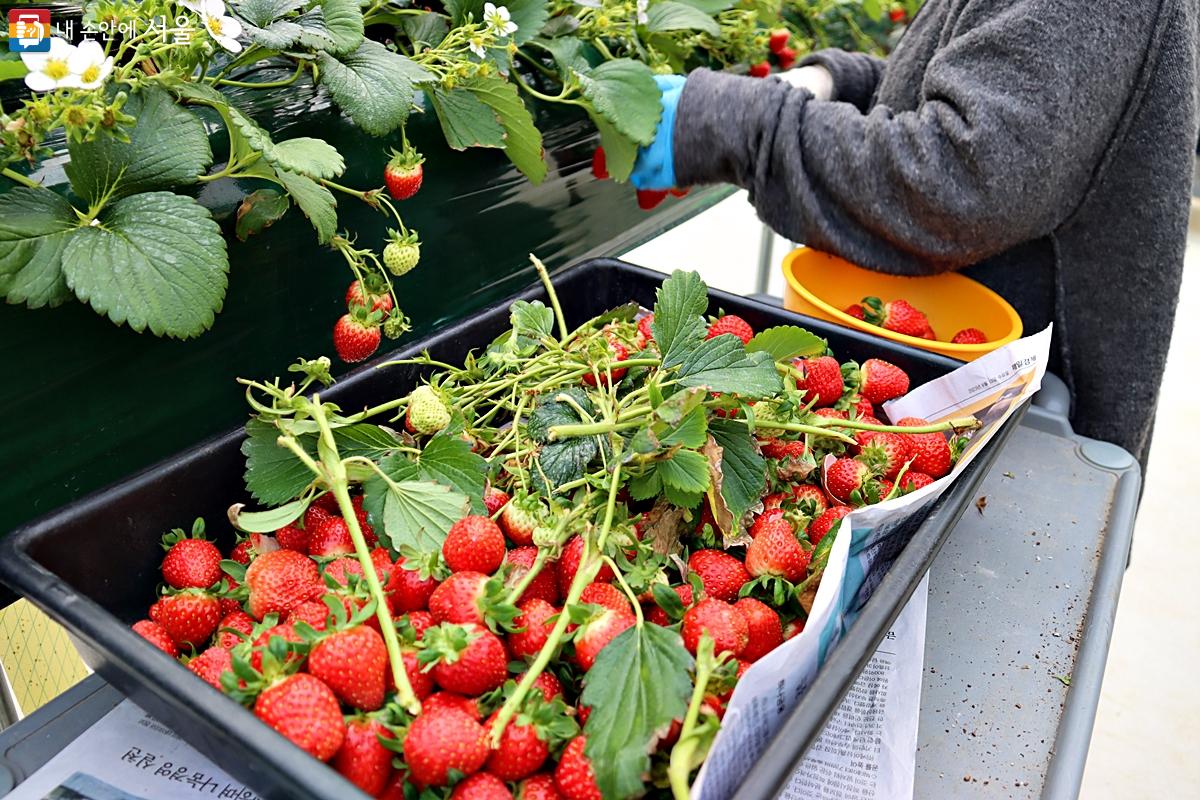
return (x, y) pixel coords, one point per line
(991, 388)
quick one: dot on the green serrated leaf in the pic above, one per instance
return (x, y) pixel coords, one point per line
(313, 32)
(561, 462)
(691, 431)
(425, 30)
(529, 16)
(678, 326)
(522, 139)
(373, 85)
(623, 91)
(786, 342)
(686, 471)
(270, 520)
(155, 260)
(344, 21)
(679, 405)
(620, 152)
(531, 319)
(669, 15)
(415, 514)
(167, 147)
(449, 460)
(466, 120)
(710, 7)
(274, 476)
(264, 12)
(35, 227)
(258, 211)
(278, 35)
(317, 202)
(743, 470)
(312, 157)
(639, 684)
(723, 365)
(569, 53)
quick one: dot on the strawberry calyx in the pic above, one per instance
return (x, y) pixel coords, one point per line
(405, 160)
(444, 644)
(176, 535)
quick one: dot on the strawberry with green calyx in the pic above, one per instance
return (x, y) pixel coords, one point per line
(413, 580)
(396, 324)
(852, 482)
(374, 295)
(519, 517)
(234, 628)
(809, 500)
(472, 597)
(403, 173)
(526, 742)
(665, 610)
(885, 453)
(821, 380)
(930, 452)
(189, 616)
(597, 631)
(356, 334)
(402, 252)
(898, 316)
(427, 412)
(305, 710)
(779, 40)
(465, 659)
(353, 662)
(722, 575)
(441, 742)
(363, 759)
(191, 561)
(824, 523)
(764, 626)
(912, 481)
(776, 552)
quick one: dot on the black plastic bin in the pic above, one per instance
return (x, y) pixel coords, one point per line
(93, 565)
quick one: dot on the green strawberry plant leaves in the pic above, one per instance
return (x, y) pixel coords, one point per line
(373, 85)
(743, 467)
(785, 342)
(669, 15)
(447, 459)
(35, 227)
(639, 684)
(722, 365)
(678, 325)
(415, 514)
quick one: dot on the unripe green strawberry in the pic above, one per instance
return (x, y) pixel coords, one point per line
(427, 412)
(401, 253)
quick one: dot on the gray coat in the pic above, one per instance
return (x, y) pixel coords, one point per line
(1044, 147)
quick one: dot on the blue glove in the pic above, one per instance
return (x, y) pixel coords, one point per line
(655, 165)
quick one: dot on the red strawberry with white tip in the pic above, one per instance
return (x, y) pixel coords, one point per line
(441, 741)
(519, 518)
(721, 621)
(356, 295)
(494, 500)
(822, 381)
(723, 575)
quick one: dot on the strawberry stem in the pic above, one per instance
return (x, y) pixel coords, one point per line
(545, 276)
(961, 424)
(685, 747)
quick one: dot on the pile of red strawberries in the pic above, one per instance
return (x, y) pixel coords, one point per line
(286, 625)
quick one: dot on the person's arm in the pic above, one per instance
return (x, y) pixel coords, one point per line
(1019, 109)
(855, 75)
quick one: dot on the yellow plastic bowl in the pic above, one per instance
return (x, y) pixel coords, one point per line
(821, 285)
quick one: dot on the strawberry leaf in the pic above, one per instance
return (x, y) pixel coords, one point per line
(531, 319)
(623, 91)
(344, 22)
(35, 226)
(266, 521)
(447, 460)
(786, 342)
(678, 327)
(743, 470)
(259, 210)
(723, 365)
(415, 514)
(373, 85)
(314, 200)
(522, 139)
(672, 16)
(466, 120)
(639, 684)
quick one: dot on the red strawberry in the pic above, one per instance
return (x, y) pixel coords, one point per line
(251, 546)
(355, 296)
(595, 634)
(822, 379)
(303, 709)
(898, 315)
(290, 537)
(189, 617)
(210, 665)
(331, 537)
(660, 617)
(863, 408)
(230, 601)
(407, 590)
(568, 565)
(930, 452)
(779, 40)
(882, 381)
(928, 333)
(793, 629)
(535, 626)
(721, 621)
(443, 741)
(156, 635)
(599, 164)
(809, 499)
(822, 524)
(884, 491)
(494, 500)
(776, 552)
(518, 520)
(354, 338)
(190, 562)
(318, 512)
(765, 629)
(619, 353)
(649, 198)
(468, 659)
(404, 173)
(280, 580)
(353, 664)
(548, 685)
(731, 324)
(897, 14)
(884, 452)
(419, 680)
(780, 449)
(520, 752)
(831, 413)
(545, 583)
(606, 595)
(538, 787)
(574, 776)
(856, 311)
(362, 759)
(846, 478)
(645, 333)
(457, 599)
(915, 480)
(723, 575)
(238, 621)
(440, 701)
(474, 544)
(760, 70)
(970, 336)
(313, 613)
(420, 621)
(286, 631)
(481, 786)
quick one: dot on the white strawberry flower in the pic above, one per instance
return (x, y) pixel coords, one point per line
(89, 65)
(642, 16)
(220, 26)
(477, 45)
(498, 20)
(51, 70)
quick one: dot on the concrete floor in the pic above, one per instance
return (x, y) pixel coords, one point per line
(1149, 717)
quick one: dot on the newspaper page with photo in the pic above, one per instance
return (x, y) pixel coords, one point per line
(991, 388)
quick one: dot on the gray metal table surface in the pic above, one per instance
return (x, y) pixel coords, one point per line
(1025, 590)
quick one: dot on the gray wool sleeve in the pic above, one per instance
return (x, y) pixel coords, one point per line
(1017, 111)
(855, 75)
